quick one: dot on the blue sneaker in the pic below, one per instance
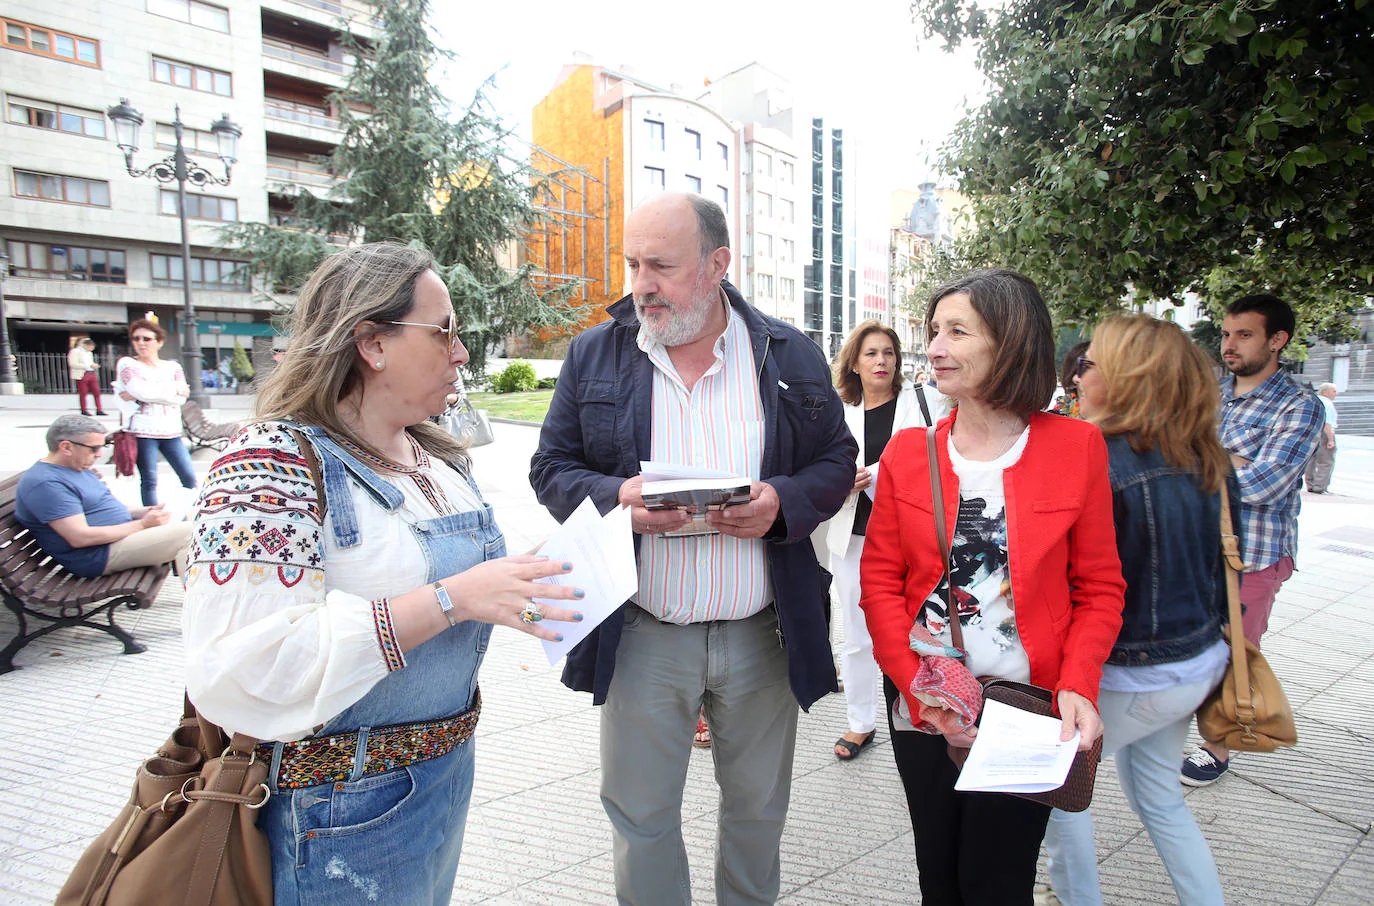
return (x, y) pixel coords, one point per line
(1202, 768)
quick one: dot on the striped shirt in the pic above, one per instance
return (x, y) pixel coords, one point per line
(717, 424)
(1276, 427)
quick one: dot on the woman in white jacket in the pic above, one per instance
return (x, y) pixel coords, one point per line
(878, 402)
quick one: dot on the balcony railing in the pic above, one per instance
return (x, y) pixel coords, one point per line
(306, 176)
(338, 8)
(282, 50)
(299, 113)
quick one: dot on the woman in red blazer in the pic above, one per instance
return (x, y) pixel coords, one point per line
(1036, 579)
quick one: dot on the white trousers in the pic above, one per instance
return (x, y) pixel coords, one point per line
(860, 670)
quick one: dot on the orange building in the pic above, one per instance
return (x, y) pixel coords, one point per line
(606, 133)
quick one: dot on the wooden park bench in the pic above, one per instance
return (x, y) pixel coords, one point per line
(35, 587)
(201, 431)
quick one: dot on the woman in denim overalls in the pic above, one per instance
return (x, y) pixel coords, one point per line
(346, 576)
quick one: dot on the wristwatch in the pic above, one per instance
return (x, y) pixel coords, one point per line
(445, 602)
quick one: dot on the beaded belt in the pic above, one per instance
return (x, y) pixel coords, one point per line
(330, 759)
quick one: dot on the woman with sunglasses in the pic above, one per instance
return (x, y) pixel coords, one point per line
(151, 390)
(1032, 573)
(1153, 393)
(345, 577)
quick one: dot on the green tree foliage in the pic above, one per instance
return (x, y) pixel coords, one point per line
(409, 171)
(240, 366)
(517, 377)
(1144, 148)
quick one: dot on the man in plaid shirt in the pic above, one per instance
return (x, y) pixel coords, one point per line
(1270, 426)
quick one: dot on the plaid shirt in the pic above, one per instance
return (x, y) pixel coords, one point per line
(1276, 427)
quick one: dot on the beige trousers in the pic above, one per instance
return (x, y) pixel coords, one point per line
(151, 546)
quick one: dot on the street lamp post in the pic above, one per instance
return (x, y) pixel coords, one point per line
(9, 383)
(179, 168)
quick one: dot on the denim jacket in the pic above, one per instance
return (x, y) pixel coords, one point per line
(1168, 533)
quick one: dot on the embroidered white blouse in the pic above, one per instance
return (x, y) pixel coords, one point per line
(156, 389)
(283, 630)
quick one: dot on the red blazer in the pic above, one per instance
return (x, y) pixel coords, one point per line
(1061, 546)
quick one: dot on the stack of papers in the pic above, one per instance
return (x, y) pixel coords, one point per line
(602, 552)
(668, 486)
(1016, 752)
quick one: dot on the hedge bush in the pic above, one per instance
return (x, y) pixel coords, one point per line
(517, 377)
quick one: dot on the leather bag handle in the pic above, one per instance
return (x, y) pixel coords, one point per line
(1240, 664)
(937, 498)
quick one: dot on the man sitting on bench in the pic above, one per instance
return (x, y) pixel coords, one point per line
(75, 518)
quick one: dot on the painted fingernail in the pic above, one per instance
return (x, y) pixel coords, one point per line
(577, 618)
(579, 594)
(567, 566)
(558, 637)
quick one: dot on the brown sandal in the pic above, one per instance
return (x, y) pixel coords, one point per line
(702, 738)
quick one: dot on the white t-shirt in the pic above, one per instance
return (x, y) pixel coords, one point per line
(978, 563)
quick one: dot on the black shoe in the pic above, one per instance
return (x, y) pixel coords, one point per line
(85, 413)
(101, 412)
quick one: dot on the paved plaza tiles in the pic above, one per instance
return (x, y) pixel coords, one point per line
(1288, 828)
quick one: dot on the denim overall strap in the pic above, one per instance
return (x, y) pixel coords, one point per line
(337, 465)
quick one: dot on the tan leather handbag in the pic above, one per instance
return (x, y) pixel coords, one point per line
(189, 835)
(1249, 711)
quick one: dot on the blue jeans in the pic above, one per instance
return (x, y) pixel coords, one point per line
(174, 449)
(322, 852)
(1146, 731)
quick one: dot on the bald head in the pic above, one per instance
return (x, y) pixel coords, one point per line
(711, 228)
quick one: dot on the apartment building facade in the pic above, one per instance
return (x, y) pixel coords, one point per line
(92, 248)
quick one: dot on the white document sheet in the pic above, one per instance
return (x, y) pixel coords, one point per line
(1016, 752)
(601, 550)
(872, 485)
(665, 471)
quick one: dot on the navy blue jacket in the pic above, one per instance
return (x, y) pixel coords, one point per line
(598, 429)
(1168, 533)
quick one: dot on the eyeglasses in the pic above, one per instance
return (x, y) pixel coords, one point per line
(94, 448)
(143, 339)
(1084, 363)
(451, 328)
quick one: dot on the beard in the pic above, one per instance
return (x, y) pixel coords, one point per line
(680, 324)
(1243, 367)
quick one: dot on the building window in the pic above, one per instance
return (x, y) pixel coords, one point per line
(49, 43)
(694, 183)
(195, 141)
(656, 180)
(71, 189)
(787, 289)
(788, 172)
(764, 284)
(206, 273)
(202, 207)
(765, 204)
(187, 75)
(656, 140)
(764, 163)
(206, 15)
(724, 154)
(788, 251)
(766, 245)
(44, 115)
(789, 210)
(694, 142)
(66, 262)
(724, 195)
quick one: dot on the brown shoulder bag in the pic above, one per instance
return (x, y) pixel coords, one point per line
(1249, 711)
(188, 835)
(1077, 792)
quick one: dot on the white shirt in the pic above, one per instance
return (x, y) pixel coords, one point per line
(718, 424)
(979, 564)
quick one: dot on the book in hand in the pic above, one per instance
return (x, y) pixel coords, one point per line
(696, 496)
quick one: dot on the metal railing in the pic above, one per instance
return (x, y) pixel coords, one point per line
(283, 51)
(300, 113)
(46, 372)
(302, 175)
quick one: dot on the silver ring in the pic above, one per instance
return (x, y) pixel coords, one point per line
(531, 614)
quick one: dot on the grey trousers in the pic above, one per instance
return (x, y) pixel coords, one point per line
(663, 674)
(1320, 467)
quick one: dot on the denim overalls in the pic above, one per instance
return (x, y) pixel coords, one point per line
(395, 836)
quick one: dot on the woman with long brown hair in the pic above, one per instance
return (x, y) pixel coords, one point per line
(345, 577)
(1153, 393)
